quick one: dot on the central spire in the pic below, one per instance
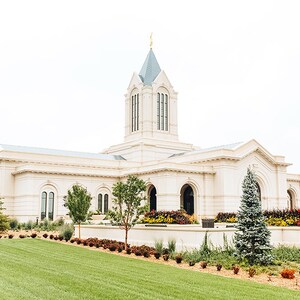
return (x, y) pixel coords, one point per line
(150, 69)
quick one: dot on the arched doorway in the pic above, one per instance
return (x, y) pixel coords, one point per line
(290, 199)
(152, 198)
(187, 199)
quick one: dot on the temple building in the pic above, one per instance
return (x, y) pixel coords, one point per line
(33, 181)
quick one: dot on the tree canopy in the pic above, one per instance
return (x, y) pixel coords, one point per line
(78, 202)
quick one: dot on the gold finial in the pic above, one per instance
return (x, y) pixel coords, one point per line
(151, 41)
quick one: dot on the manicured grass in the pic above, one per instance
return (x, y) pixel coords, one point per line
(38, 269)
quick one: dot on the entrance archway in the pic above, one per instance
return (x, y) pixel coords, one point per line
(152, 198)
(187, 199)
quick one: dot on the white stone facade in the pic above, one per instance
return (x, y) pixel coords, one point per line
(203, 181)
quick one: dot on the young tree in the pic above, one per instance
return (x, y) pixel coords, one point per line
(252, 239)
(128, 204)
(78, 201)
(4, 220)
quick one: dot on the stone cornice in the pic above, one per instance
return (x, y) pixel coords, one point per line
(60, 164)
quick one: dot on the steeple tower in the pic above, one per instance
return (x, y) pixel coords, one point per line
(150, 116)
(151, 104)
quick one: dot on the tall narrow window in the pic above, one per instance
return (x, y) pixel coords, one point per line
(100, 203)
(43, 205)
(135, 106)
(51, 206)
(166, 113)
(137, 112)
(158, 111)
(162, 111)
(105, 203)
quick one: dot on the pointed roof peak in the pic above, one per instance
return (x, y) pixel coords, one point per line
(150, 69)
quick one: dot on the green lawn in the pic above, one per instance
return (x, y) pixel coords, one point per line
(39, 269)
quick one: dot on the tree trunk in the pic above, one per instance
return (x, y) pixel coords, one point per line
(79, 231)
(126, 237)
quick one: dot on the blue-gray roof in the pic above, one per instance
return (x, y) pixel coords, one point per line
(150, 69)
(36, 150)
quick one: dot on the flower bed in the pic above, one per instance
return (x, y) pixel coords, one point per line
(168, 217)
(274, 217)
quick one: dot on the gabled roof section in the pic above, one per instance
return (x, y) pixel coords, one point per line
(150, 69)
(46, 151)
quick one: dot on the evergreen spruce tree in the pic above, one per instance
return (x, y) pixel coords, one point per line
(252, 239)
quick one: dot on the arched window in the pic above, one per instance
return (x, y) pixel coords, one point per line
(47, 209)
(152, 197)
(51, 206)
(43, 205)
(103, 205)
(100, 203)
(135, 115)
(162, 111)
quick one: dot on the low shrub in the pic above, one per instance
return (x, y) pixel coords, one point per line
(112, 247)
(166, 257)
(13, 224)
(91, 244)
(128, 251)
(178, 258)
(288, 273)
(10, 236)
(51, 236)
(45, 235)
(157, 255)
(120, 249)
(138, 253)
(203, 264)
(33, 235)
(235, 269)
(251, 272)
(191, 263)
(146, 254)
(219, 267)
(22, 236)
(67, 231)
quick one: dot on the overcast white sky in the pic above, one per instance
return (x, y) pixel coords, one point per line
(65, 67)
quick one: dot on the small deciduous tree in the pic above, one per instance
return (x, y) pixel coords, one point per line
(4, 220)
(127, 204)
(78, 202)
(252, 239)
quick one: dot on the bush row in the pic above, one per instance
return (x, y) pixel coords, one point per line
(274, 217)
(168, 217)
